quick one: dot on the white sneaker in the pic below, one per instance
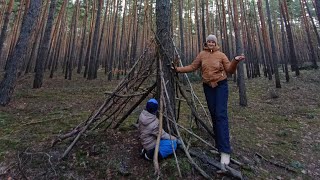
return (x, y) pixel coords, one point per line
(225, 158)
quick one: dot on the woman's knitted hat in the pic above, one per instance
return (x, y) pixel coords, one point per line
(152, 106)
(211, 37)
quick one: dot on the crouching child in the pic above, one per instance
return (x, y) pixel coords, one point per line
(149, 129)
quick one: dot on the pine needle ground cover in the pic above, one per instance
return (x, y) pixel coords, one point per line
(279, 126)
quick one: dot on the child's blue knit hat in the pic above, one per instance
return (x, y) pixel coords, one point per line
(152, 105)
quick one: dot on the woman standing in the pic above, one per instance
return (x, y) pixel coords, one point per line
(215, 66)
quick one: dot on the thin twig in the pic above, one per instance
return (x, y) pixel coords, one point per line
(167, 119)
(276, 163)
(49, 159)
(38, 122)
(4, 172)
(196, 136)
(20, 168)
(126, 95)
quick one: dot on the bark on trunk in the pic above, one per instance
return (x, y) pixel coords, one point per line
(93, 56)
(3, 33)
(273, 47)
(239, 50)
(293, 56)
(166, 45)
(44, 47)
(8, 83)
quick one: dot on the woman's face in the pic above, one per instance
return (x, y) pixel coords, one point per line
(211, 44)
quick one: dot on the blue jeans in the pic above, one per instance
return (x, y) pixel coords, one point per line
(217, 100)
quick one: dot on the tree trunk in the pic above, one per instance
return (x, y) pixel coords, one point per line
(231, 21)
(203, 22)
(313, 24)
(166, 45)
(224, 29)
(3, 32)
(293, 57)
(198, 26)
(181, 33)
(317, 6)
(113, 47)
(88, 50)
(208, 18)
(59, 47)
(37, 38)
(72, 42)
(249, 48)
(310, 44)
(57, 28)
(134, 34)
(83, 38)
(16, 27)
(284, 49)
(7, 85)
(2, 10)
(265, 39)
(273, 47)
(93, 56)
(239, 50)
(102, 35)
(44, 48)
(121, 52)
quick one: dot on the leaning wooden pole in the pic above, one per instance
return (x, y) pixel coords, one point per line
(155, 156)
(83, 127)
(193, 110)
(202, 172)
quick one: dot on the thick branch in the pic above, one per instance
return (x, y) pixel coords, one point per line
(217, 164)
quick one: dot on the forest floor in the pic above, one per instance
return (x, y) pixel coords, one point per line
(282, 125)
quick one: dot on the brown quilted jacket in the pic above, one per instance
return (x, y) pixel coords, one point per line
(214, 66)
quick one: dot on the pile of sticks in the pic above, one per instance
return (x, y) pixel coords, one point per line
(119, 104)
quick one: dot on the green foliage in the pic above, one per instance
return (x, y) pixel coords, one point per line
(294, 9)
(16, 5)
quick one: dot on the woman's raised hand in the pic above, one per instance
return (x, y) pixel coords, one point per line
(240, 58)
